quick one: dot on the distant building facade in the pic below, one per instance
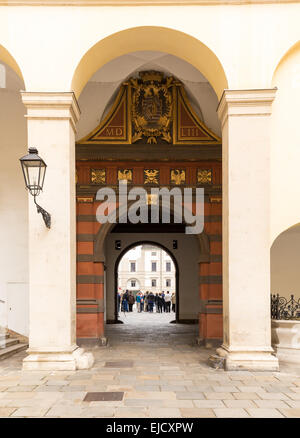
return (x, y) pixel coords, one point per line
(147, 268)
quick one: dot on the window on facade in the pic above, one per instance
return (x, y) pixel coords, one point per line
(153, 283)
(153, 253)
(168, 266)
(168, 282)
(133, 283)
(153, 266)
(132, 266)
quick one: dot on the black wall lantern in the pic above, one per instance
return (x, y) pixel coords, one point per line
(34, 169)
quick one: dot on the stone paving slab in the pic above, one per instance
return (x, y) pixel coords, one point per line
(265, 413)
(197, 413)
(231, 413)
(169, 378)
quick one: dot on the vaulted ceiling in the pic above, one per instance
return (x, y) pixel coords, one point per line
(99, 93)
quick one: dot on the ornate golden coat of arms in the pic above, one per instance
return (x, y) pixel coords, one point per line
(151, 107)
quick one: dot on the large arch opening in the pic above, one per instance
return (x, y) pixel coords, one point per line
(167, 161)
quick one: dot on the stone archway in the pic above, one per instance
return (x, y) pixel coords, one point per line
(151, 38)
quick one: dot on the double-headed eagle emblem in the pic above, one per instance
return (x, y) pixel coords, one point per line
(151, 107)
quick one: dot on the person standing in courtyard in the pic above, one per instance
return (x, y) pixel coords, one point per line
(146, 302)
(159, 303)
(125, 301)
(173, 302)
(151, 299)
(138, 301)
(118, 301)
(156, 302)
(131, 301)
(142, 302)
(168, 299)
(163, 301)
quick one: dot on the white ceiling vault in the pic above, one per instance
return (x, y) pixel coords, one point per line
(99, 93)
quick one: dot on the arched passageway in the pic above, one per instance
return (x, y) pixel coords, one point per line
(146, 267)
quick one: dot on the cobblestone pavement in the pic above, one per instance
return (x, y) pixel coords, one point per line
(165, 376)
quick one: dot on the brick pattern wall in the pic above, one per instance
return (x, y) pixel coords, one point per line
(90, 275)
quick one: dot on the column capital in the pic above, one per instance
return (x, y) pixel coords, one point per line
(255, 102)
(51, 106)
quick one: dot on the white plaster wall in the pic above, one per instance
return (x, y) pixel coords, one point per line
(248, 39)
(285, 262)
(186, 255)
(13, 208)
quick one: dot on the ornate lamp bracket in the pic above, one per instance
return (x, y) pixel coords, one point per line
(45, 214)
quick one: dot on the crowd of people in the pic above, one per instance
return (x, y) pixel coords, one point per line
(146, 302)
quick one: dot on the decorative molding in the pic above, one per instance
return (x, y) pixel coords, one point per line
(51, 105)
(240, 103)
(93, 218)
(98, 176)
(151, 176)
(125, 174)
(187, 127)
(85, 199)
(140, 152)
(215, 199)
(204, 176)
(177, 176)
(89, 3)
(115, 128)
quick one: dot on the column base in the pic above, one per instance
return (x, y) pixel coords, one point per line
(248, 360)
(92, 342)
(209, 343)
(72, 360)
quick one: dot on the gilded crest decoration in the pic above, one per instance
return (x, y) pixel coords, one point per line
(125, 174)
(151, 176)
(98, 176)
(151, 107)
(204, 176)
(177, 176)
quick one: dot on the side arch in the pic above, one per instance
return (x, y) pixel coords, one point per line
(6, 57)
(152, 38)
(293, 49)
(284, 256)
(285, 140)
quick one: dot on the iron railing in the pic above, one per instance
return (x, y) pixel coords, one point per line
(283, 308)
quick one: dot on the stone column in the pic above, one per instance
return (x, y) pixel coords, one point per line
(245, 117)
(51, 121)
